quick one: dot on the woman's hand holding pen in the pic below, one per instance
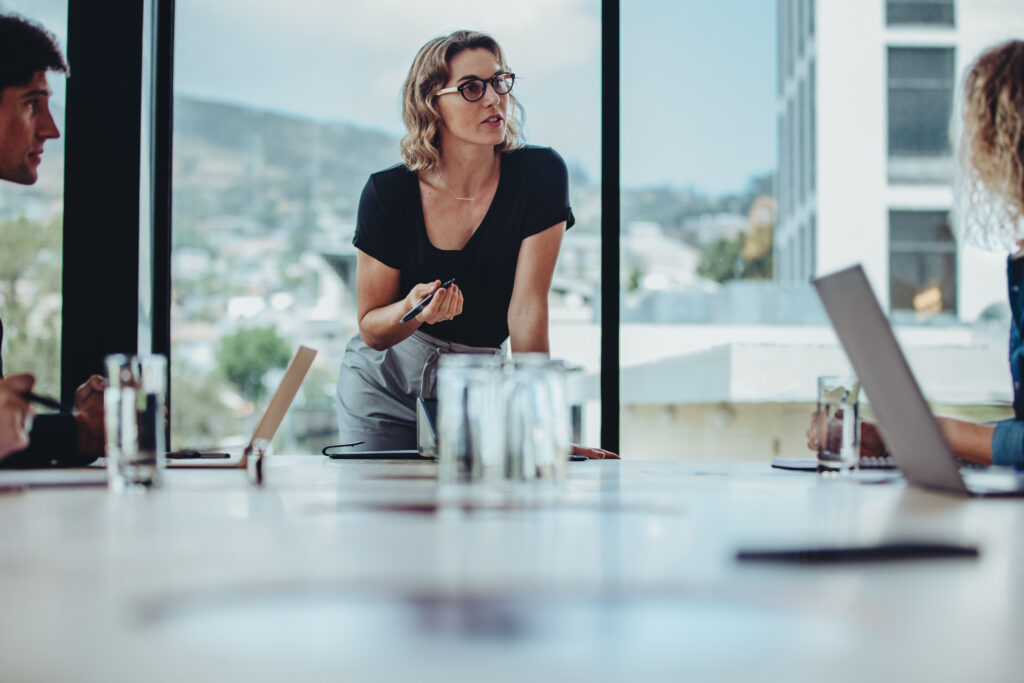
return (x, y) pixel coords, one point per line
(445, 305)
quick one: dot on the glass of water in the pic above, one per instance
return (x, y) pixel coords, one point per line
(471, 428)
(838, 440)
(538, 422)
(133, 406)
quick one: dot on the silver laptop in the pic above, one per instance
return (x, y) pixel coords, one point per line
(910, 430)
(269, 422)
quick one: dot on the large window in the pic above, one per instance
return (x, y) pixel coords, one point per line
(31, 219)
(281, 113)
(698, 169)
(717, 314)
(844, 131)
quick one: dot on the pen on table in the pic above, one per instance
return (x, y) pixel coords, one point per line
(47, 401)
(905, 550)
(426, 300)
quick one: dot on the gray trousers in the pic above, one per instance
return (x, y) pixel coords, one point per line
(377, 390)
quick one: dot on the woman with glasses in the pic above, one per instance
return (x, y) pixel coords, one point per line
(990, 213)
(471, 204)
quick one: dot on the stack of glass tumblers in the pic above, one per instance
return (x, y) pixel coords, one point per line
(502, 420)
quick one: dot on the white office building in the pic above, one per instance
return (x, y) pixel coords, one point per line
(866, 93)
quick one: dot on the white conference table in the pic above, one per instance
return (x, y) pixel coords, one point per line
(353, 571)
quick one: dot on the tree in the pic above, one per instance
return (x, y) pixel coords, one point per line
(198, 416)
(721, 261)
(245, 357)
(747, 256)
(30, 293)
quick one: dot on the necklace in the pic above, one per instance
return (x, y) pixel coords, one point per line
(450, 190)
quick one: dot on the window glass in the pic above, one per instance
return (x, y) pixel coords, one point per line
(281, 114)
(921, 82)
(812, 126)
(919, 226)
(780, 31)
(938, 12)
(698, 211)
(789, 187)
(799, 27)
(728, 208)
(31, 232)
(801, 139)
(922, 263)
(813, 246)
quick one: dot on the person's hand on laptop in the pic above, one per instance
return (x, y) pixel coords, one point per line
(828, 434)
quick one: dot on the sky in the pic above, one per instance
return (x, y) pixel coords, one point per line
(698, 92)
(698, 77)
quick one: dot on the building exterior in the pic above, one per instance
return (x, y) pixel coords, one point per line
(866, 94)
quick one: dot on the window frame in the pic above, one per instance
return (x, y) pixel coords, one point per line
(116, 279)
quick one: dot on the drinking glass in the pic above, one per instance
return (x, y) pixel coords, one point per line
(133, 406)
(470, 416)
(538, 419)
(838, 448)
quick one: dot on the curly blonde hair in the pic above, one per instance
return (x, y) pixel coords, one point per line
(990, 187)
(421, 145)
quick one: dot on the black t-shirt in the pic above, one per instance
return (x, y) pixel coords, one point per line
(532, 195)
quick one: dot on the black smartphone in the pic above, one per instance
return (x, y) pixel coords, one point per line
(426, 300)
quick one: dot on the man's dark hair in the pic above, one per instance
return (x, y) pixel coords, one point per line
(26, 48)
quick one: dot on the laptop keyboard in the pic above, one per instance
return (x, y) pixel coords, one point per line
(968, 465)
(880, 463)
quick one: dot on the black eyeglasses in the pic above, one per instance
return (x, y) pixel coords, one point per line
(474, 88)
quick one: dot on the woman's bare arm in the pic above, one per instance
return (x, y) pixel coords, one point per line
(528, 309)
(969, 440)
(381, 305)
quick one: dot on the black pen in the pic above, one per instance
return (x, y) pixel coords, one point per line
(426, 300)
(883, 552)
(41, 400)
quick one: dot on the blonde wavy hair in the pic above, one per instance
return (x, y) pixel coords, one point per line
(421, 145)
(989, 208)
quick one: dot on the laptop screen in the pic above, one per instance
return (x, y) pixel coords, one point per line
(910, 430)
(284, 395)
